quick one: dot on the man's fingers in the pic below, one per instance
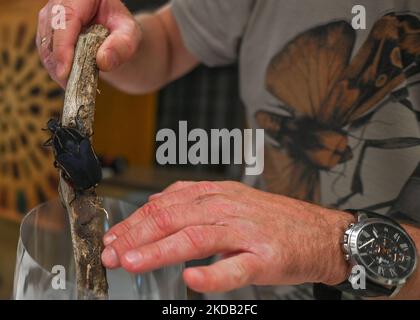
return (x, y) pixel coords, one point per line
(44, 40)
(124, 226)
(78, 13)
(41, 32)
(121, 45)
(64, 42)
(159, 225)
(125, 35)
(57, 48)
(224, 275)
(188, 244)
(182, 196)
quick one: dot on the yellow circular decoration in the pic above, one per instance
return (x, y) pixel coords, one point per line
(28, 98)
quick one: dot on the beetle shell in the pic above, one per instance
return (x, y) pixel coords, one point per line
(75, 156)
(82, 169)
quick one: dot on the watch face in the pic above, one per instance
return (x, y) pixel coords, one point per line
(386, 251)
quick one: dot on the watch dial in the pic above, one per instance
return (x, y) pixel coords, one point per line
(386, 251)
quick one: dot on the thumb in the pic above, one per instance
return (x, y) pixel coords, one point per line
(121, 45)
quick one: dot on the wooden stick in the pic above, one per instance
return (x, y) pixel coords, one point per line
(86, 217)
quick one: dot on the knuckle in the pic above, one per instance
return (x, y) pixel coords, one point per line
(129, 43)
(70, 11)
(231, 184)
(59, 48)
(126, 242)
(132, 26)
(48, 61)
(157, 253)
(195, 237)
(207, 186)
(47, 57)
(135, 30)
(150, 208)
(163, 220)
(240, 274)
(178, 185)
(120, 228)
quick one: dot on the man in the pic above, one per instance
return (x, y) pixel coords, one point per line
(337, 100)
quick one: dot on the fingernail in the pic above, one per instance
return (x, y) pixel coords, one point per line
(109, 238)
(133, 257)
(60, 70)
(110, 258)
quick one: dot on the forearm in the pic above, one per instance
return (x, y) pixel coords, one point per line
(160, 58)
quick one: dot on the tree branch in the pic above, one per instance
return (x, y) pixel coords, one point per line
(86, 216)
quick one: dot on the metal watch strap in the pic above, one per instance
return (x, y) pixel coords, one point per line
(325, 292)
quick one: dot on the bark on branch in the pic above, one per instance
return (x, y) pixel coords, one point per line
(85, 214)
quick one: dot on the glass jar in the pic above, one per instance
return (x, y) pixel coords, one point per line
(45, 265)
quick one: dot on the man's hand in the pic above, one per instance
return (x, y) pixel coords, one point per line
(264, 239)
(56, 47)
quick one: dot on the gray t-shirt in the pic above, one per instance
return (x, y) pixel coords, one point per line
(339, 101)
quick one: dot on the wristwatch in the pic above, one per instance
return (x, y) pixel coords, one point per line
(381, 253)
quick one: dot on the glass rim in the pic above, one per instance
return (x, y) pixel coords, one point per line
(38, 208)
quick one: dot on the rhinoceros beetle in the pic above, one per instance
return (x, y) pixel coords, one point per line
(74, 155)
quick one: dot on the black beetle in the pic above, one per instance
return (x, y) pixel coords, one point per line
(74, 155)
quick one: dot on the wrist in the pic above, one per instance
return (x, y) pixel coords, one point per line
(335, 269)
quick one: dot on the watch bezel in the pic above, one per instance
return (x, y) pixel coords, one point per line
(356, 259)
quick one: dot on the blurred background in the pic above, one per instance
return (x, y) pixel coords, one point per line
(125, 127)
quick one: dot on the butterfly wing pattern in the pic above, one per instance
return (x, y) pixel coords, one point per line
(325, 91)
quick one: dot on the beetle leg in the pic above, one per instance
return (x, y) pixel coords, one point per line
(77, 119)
(78, 111)
(61, 145)
(70, 133)
(72, 200)
(48, 143)
(65, 176)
